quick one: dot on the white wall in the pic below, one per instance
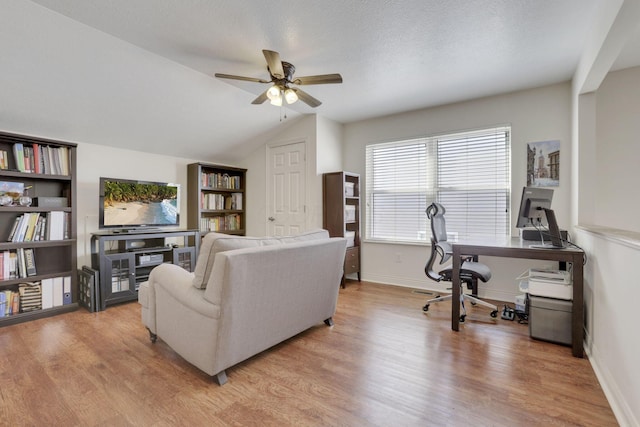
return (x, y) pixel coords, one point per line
(534, 115)
(608, 133)
(95, 161)
(618, 150)
(323, 141)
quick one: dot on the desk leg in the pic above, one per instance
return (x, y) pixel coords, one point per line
(455, 290)
(577, 311)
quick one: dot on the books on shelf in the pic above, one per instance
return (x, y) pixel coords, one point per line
(221, 223)
(27, 297)
(220, 180)
(33, 227)
(38, 158)
(4, 159)
(17, 264)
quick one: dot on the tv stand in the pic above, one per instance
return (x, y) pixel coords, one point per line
(125, 259)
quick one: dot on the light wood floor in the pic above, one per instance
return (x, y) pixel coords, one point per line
(383, 363)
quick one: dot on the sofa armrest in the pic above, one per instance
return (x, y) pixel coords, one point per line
(178, 284)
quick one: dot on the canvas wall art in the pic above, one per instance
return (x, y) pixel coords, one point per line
(543, 164)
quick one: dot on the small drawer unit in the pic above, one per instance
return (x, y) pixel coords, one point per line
(352, 260)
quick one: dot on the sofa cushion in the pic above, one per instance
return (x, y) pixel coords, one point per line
(218, 242)
(309, 235)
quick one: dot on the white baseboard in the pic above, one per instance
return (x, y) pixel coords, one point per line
(617, 400)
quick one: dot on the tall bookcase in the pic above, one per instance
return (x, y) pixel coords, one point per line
(341, 214)
(37, 240)
(216, 198)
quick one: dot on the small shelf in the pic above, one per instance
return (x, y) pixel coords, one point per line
(341, 214)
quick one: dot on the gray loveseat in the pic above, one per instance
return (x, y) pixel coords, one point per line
(245, 296)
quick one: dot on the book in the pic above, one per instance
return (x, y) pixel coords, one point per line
(12, 233)
(22, 266)
(56, 225)
(30, 262)
(6, 261)
(37, 158)
(15, 303)
(18, 154)
(13, 265)
(31, 226)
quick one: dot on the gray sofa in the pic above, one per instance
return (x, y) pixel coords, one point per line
(245, 296)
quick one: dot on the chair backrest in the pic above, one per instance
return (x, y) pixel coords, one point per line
(435, 213)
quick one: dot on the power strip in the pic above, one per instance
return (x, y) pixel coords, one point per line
(508, 313)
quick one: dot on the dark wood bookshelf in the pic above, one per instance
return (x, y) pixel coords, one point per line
(53, 258)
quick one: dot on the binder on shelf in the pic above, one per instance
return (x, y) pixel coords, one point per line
(47, 293)
(66, 290)
(58, 286)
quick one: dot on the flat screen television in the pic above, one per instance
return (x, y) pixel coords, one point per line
(533, 202)
(131, 205)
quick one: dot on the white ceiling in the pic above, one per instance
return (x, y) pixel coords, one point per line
(139, 74)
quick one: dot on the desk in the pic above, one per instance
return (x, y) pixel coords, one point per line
(516, 248)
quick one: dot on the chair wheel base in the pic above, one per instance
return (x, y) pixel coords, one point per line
(425, 308)
(462, 318)
(494, 313)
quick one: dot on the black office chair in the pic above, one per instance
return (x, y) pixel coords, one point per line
(470, 271)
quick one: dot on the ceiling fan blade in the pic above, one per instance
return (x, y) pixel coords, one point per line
(318, 80)
(260, 99)
(248, 79)
(274, 63)
(306, 98)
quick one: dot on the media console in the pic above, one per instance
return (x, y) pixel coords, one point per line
(125, 260)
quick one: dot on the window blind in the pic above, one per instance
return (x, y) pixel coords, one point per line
(467, 172)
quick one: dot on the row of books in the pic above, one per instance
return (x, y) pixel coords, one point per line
(221, 223)
(18, 264)
(4, 159)
(221, 201)
(220, 180)
(37, 158)
(40, 295)
(35, 226)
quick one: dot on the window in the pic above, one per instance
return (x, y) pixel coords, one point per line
(467, 172)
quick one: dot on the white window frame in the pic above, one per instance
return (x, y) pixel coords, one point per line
(410, 174)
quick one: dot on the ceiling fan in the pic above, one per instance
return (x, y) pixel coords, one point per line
(281, 74)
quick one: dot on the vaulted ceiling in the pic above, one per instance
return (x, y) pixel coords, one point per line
(140, 74)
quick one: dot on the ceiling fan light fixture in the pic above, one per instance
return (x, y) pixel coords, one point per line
(274, 92)
(290, 95)
(277, 101)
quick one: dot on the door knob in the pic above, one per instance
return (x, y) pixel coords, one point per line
(271, 219)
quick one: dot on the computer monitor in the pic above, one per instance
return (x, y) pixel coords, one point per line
(532, 204)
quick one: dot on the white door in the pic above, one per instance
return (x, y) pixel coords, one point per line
(286, 172)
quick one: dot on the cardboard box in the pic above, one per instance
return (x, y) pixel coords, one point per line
(351, 238)
(349, 189)
(350, 213)
(550, 319)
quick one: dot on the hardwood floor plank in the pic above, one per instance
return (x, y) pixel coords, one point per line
(384, 362)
